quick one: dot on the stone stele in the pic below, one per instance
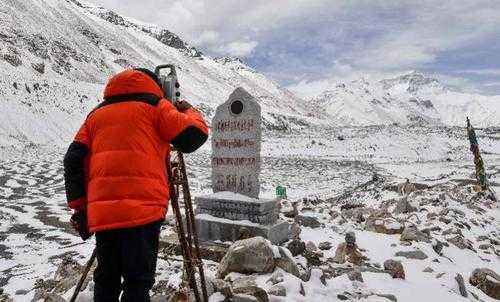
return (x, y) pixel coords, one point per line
(234, 210)
(236, 137)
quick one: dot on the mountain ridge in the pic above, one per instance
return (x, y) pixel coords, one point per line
(56, 56)
(411, 98)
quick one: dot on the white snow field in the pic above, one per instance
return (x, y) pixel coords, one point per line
(55, 57)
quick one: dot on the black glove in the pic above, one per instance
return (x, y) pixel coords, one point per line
(79, 223)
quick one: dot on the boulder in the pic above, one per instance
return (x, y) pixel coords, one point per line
(428, 270)
(419, 255)
(350, 238)
(461, 285)
(277, 290)
(244, 298)
(256, 292)
(295, 231)
(53, 297)
(462, 243)
(395, 269)
(355, 275)
(404, 206)
(222, 287)
(296, 247)
(411, 233)
(325, 245)
(286, 262)
(4, 297)
(486, 280)
(350, 253)
(67, 275)
(308, 221)
(437, 246)
(311, 247)
(313, 258)
(253, 255)
(276, 277)
(380, 222)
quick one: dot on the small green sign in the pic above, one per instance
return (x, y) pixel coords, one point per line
(281, 192)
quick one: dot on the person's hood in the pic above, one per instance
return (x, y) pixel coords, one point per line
(132, 81)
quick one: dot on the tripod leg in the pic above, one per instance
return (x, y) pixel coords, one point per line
(84, 276)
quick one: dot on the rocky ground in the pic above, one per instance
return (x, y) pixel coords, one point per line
(355, 237)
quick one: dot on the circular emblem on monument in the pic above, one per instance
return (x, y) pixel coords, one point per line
(236, 107)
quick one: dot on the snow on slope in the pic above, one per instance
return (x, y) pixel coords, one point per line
(56, 55)
(407, 99)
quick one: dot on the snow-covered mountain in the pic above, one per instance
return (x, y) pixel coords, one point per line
(55, 56)
(407, 99)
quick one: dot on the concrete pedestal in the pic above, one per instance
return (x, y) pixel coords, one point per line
(212, 228)
(223, 215)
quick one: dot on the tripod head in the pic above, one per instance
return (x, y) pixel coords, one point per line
(169, 83)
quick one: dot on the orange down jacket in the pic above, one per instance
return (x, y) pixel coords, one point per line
(116, 166)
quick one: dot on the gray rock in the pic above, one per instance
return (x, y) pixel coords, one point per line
(313, 258)
(296, 247)
(222, 287)
(486, 280)
(302, 289)
(428, 270)
(244, 281)
(380, 222)
(258, 293)
(350, 238)
(461, 285)
(4, 297)
(350, 253)
(277, 290)
(311, 247)
(394, 268)
(308, 221)
(411, 233)
(485, 246)
(295, 231)
(437, 246)
(403, 206)
(460, 242)
(412, 255)
(286, 262)
(253, 255)
(244, 298)
(53, 297)
(21, 292)
(388, 297)
(325, 245)
(276, 277)
(355, 275)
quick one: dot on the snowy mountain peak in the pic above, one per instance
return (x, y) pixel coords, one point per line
(56, 56)
(412, 98)
(234, 63)
(413, 82)
(161, 34)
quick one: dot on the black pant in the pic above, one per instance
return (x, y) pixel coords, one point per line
(129, 253)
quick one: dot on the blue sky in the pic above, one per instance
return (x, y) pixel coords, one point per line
(309, 45)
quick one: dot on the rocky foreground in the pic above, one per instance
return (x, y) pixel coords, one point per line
(380, 242)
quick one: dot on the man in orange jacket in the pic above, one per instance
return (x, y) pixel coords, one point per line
(115, 172)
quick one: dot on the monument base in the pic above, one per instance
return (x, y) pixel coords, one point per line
(212, 228)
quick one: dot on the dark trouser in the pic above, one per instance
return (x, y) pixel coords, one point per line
(128, 253)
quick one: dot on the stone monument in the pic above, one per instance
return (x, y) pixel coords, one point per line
(235, 210)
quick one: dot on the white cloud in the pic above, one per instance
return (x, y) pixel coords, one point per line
(486, 71)
(207, 37)
(301, 42)
(239, 48)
